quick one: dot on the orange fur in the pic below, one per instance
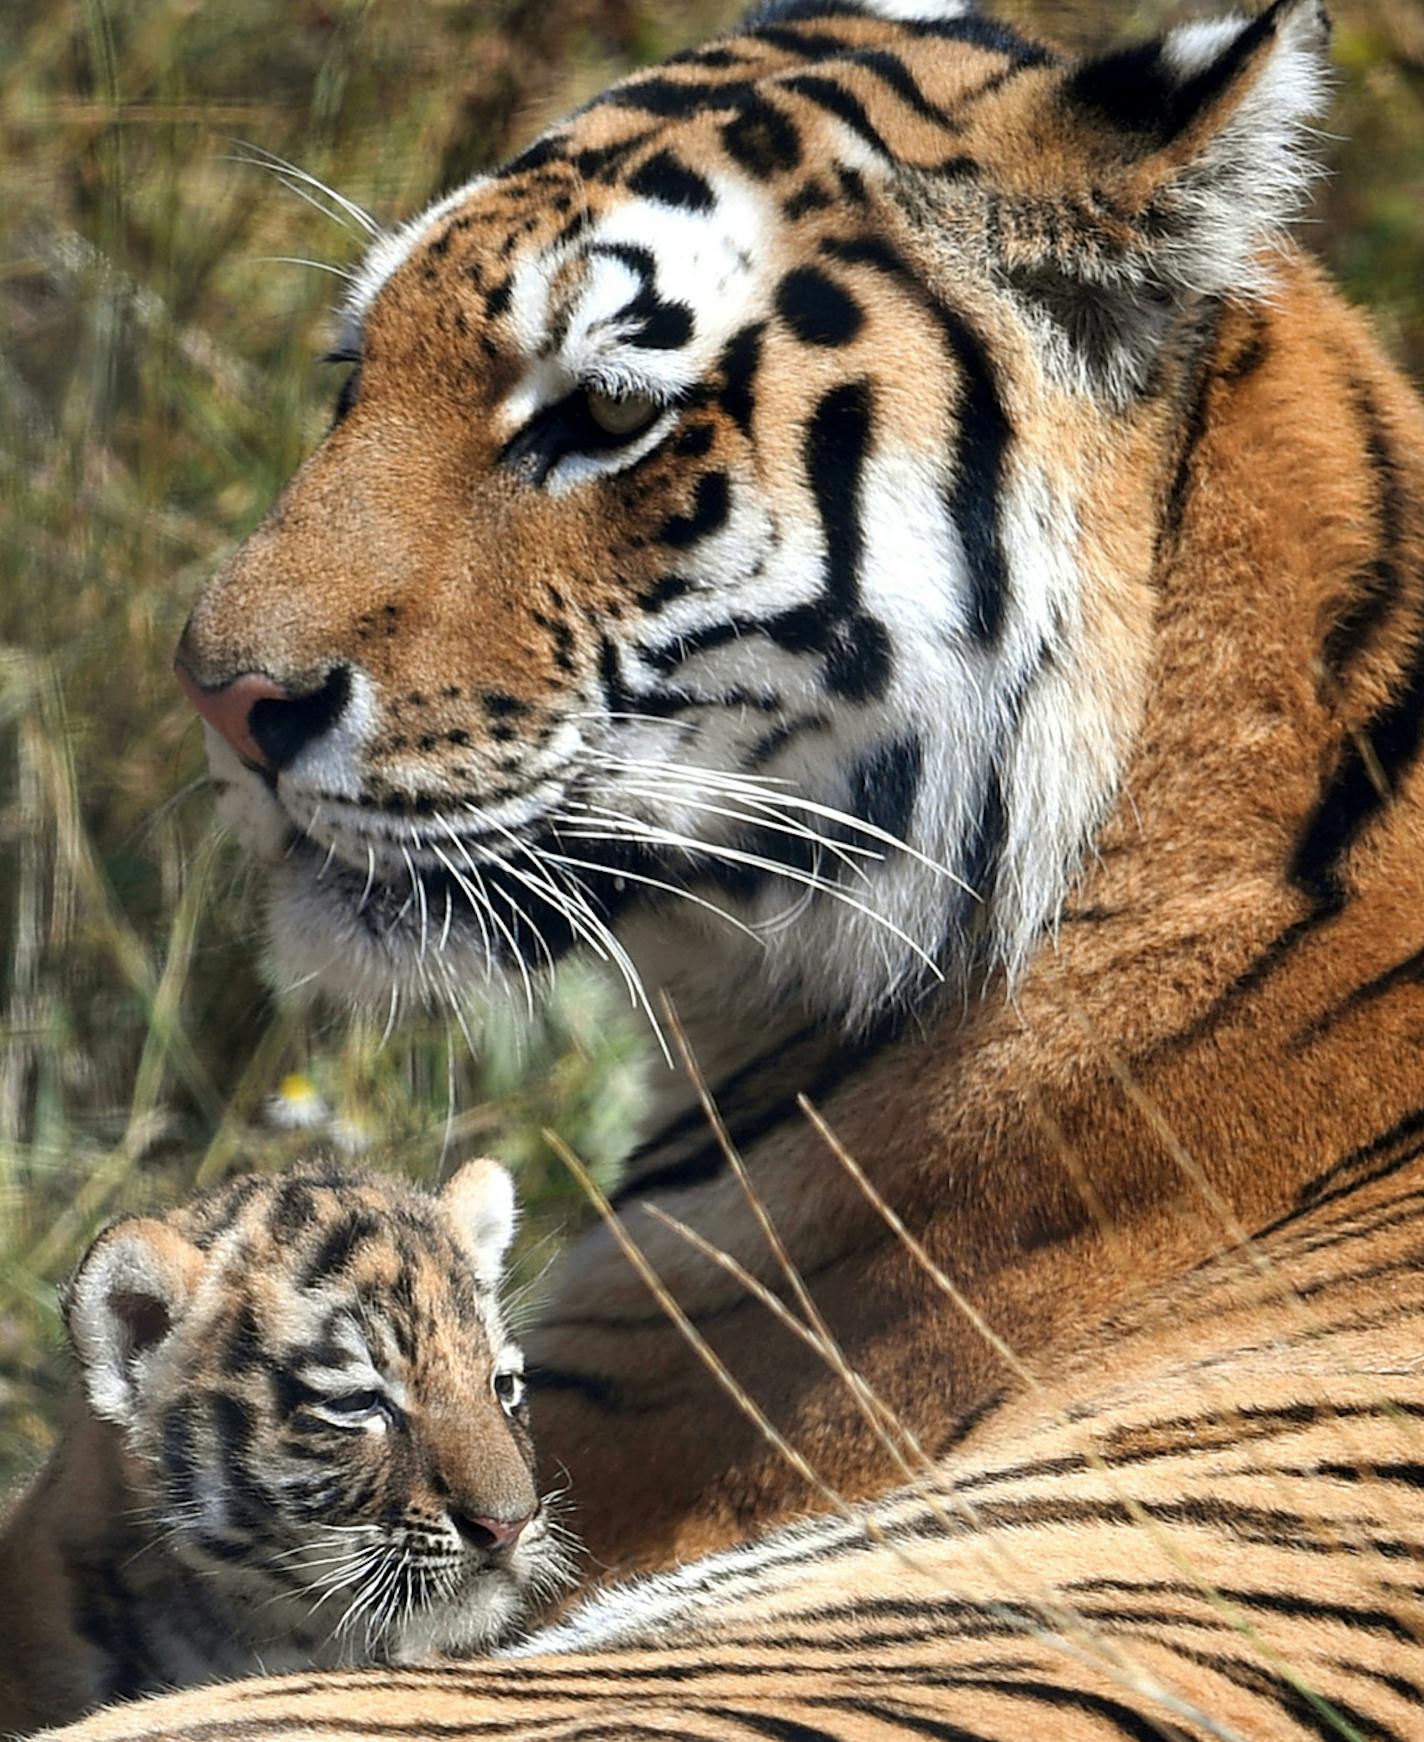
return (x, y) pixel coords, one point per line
(1228, 1014)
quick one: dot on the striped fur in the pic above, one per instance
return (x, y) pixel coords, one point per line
(300, 1436)
(1210, 1532)
(899, 489)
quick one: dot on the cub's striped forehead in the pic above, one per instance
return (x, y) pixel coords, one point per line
(321, 1250)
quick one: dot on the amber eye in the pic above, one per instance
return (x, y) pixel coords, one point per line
(622, 415)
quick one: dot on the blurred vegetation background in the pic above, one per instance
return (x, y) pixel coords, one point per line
(157, 385)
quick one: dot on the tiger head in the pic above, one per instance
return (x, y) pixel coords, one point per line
(317, 1406)
(741, 512)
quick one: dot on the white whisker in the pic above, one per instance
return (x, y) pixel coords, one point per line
(259, 157)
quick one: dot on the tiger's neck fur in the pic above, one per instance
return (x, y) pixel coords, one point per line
(1222, 1018)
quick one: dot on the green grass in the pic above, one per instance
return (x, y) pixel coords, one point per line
(156, 387)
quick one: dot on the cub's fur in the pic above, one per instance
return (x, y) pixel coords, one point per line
(872, 427)
(301, 1440)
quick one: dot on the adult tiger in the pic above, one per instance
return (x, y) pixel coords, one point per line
(871, 427)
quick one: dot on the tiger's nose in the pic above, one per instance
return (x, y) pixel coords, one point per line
(267, 724)
(490, 1533)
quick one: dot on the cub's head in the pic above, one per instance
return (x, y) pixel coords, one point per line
(741, 509)
(321, 1409)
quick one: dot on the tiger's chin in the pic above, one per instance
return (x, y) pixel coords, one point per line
(329, 929)
(476, 1619)
(335, 928)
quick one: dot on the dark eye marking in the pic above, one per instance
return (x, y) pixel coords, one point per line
(664, 179)
(817, 309)
(659, 325)
(711, 505)
(509, 1388)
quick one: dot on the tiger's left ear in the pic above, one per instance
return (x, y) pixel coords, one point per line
(1183, 159)
(129, 1293)
(479, 1201)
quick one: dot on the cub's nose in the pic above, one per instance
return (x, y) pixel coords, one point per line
(266, 723)
(489, 1533)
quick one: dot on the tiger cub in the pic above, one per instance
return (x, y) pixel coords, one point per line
(301, 1441)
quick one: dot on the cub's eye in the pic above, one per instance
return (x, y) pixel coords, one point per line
(622, 415)
(353, 1405)
(509, 1389)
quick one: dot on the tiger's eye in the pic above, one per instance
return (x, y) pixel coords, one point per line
(622, 414)
(353, 1403)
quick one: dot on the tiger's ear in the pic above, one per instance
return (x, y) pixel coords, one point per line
(897, 11)
(1186, 157)
(131, 1289)
(479, 1201)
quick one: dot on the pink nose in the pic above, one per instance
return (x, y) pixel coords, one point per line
(490, 1532)
(229, 709)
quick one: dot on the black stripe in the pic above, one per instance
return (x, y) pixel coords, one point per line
(981, 443)
(884, 786)
(1409, 972)
(1123, 1718)
(706, 1162)
(892, 71)
(855, 646)
(711, 505)
(901, 1717)
(339, 1246)
(1194, 428)
(768, 1724)
(762, 139)
(1370, 764)
(835, 449)
(838, 101)
(735, 1095)
(678, 99)
(1329, 1719)
(1373, 761)
(973, 30)
(662, 177)
(817, 309)
(660, 325)
(105, 1612)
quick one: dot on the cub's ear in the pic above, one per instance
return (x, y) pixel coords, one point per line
(132, 1287)
(1183, 159)
(479, 1200)
(900, 11)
